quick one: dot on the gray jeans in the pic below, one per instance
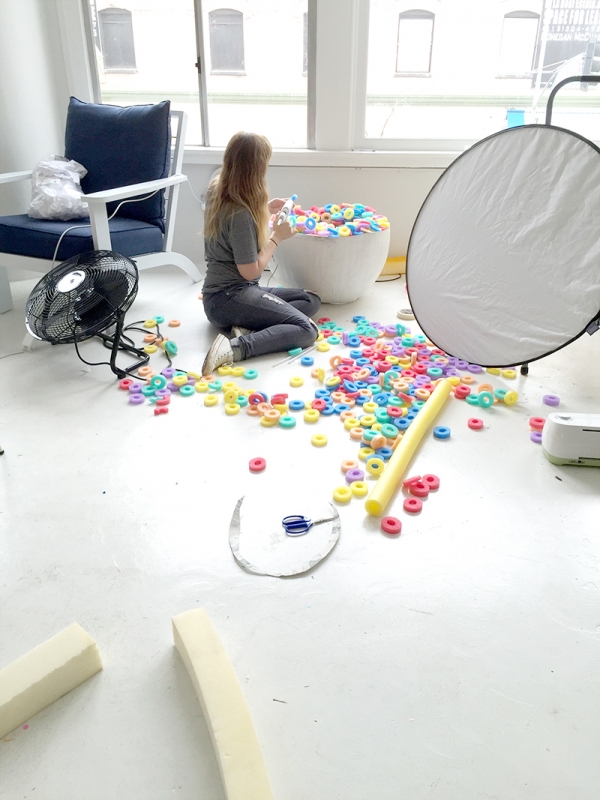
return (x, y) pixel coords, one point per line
(279, 317)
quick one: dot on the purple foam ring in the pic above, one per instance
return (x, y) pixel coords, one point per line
(345, 337)
(135, 388)
(136, 399)
(377, 325)
(168, 372)
(372, 379)
(354, 475)
(452, 360)
(172, 386)
(461, 364)
(390, 329)
(191, 381)
(551, 399)
(474, 368)
(451, 372)
(164, 392)
(536, 436)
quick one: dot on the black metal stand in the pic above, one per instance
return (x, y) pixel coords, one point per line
(116, 342)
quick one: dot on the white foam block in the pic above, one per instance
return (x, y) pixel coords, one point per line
(235, 741)
(44, 674)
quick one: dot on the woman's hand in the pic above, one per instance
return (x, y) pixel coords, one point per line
(275, 205)
(282, 232)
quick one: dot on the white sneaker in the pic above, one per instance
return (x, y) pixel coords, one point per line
(220, 353)
(237, 331)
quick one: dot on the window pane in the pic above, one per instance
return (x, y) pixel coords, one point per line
(481, 66)
(270, 96)
(415, 36)
(164, 53)
(116, 39)
(226, 29)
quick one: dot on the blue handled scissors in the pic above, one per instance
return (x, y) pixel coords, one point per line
(296, 525)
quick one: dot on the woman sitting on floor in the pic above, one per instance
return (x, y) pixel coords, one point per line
(238, 248)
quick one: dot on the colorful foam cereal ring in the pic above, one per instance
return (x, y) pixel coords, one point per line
(215, 386)
(318, 440)
(257, 464)
(211, 399)
(287, 421)
(158, 382)
(252, 411)
(375, 465)
(509, 373)
(180, 379)
(356, 434)
(467, 379)
(432, 481)
(150, 338)
(150, 323)
(148, 391)
(412, 505)
(367, 419)
(359, 488)
(237, 372)
(263, 407)
(232, 408)
(150, 349)
(365, 452)
(551, 399)
(475, 424)
(472, 399)
(268, 423)
(485, 399)
(319, 404)
(163, 401)
(378, 440)
(187, 390)
(537, 423)
(536, 436)
(272, 414)
(391, 525)
(201, 386)
(311, 415)
(174, 323)
(441, 432)
(510, 398)
(485, 387)
(323, 347)
(423, 394)
(250, 374)
(461, 392)
(389, 431)
(145, 372)
(419, 488)
(342, 494)
(136, 399)
(351, 422)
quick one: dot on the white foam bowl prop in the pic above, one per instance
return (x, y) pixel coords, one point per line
(339, 269)
(503, 263)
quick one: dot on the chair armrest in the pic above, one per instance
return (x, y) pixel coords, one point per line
(133, 190)
(12, 177)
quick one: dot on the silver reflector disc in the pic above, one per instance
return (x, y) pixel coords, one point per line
(503, 263)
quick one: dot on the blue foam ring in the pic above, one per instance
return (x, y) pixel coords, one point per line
(441, 432)
(310, 223)
(353, 341)
(341, 407)
(333, 232)
(361, 399)
(401, 423)
(328, 410)
(411, 414)
(322, 394)
(360, 385)
(349, 386)
(381, 398)
(355, 354)
(328, 207)
(307, 361)
(358, 317)
(296, 405)
(360, 362)
(384, 452)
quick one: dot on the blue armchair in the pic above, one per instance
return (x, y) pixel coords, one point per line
(128, 153)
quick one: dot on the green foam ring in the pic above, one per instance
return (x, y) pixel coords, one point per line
(499, 393)
(295, 351)
(485, 399)
(148, 391)
(389, 431)
(251, 374)
(186, 390)
(472, 399)
(369, 435)
(242, 401)
(215, 386)
(334, 340)
(395, 401)
(171, 348)
(381, 415)
(159, 319)
(287, 421)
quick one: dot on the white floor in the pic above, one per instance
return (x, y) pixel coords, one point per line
(455, 662)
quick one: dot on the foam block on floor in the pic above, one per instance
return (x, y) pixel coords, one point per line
(224, 707)
(46, 673)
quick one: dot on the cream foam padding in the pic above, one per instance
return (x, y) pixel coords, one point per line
(224, 707)
(503, 260)
(46, 673)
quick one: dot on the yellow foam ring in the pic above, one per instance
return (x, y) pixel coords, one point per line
(404, 360)
(320, 374)
(150, 348)
(375, 466)
(320, 338)
(454, 380)
(509, 399)
(281, 407)
(343, 494)
(237, 372)
(315, 215)
(333, 381)
(268, 423)
(344, 230)
(359, 488)
(229, 385)
(386, 485)
(312, 415)
(320, 226)
(194, 375)
(232, 408)
(323, 347)
(301, 218)
(224, 370)
(201, 386)
(367, 419)
(230, 396)
(212, 400)
(351, 422)
(506, 373)
(180, 380)
(392, 359)
(150, 323)
(308, 404)
(319, 440)
(493, 370)
(334, 209)
(296, 381)
(370, 407)
(365, 452)
(377, 425)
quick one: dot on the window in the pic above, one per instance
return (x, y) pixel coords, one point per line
(415, 43)
(116, 38)
(226, 28)
(305, 44)
(517, 47)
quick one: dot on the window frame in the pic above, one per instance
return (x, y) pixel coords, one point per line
(125, 14)
(240, 17)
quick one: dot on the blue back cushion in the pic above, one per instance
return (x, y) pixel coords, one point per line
(119, 146)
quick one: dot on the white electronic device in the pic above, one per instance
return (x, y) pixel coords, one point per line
(286, 209)
(572, 439)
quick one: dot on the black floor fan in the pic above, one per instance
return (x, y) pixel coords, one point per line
(85, 296)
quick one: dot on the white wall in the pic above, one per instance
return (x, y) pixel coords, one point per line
(33, 91)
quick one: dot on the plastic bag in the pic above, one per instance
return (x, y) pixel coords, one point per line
(56, 191)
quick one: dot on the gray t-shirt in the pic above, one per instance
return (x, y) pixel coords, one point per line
(236, 243)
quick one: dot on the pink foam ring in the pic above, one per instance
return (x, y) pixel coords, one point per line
(125, 384)
(161, 410)
(383, 366)
(537, 423)
(413, 505)
(407, 482)
(368, 208)
(432, 481)
(391, 525)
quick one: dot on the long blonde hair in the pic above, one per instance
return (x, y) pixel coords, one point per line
(242, 183)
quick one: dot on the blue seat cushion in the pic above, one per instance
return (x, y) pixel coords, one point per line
(37, 238)
(119, 146)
